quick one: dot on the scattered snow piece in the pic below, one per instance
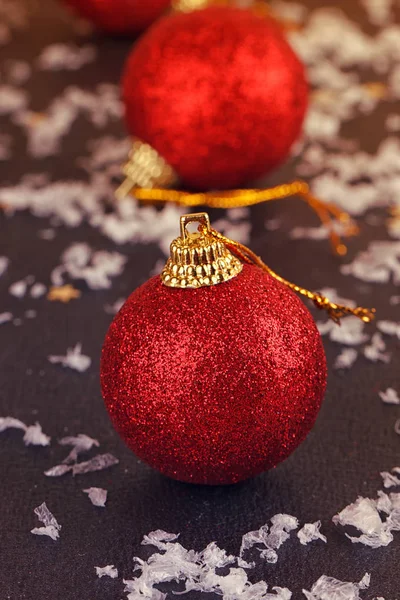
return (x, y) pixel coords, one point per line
(18, 71)
(47, 234)
(38, 290)
(393, 122)
(112, 309)
(346, 358)
(30, 314)
(174, 563)
(74, 359)
(397, 427)
(51, 526)
(5, 317)
(17, 322)
(350, 332)
(57, 57)
(4, 262)
(34, 436)
(310, 532)
(12, 99)
(378, 11)
(333, 589)
(389, 328)
(272, 538)
(18, 289)
(377, 264)
(390, 480)
(80, 443)
(390, 396)
(364, 516)
(58, 470)
(374, 352)
(97, 463)
(394, 300)
(96, 268)
(108, 571)
(11, 423)
(97, 496)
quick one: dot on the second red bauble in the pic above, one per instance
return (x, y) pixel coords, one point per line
(120, 16)
(219, 93)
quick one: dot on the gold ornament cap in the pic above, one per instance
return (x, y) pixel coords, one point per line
(145, 168)
(199, 259)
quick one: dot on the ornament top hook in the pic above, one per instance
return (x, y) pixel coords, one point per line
(198, 259)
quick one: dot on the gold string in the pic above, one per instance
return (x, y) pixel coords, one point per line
(335, 311)
(328, 213)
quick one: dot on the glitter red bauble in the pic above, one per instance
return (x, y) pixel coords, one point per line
(120, 16)
(217, 384)
(218, 93)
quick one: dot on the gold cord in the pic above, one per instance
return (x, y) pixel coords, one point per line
(335, 311)
(328, 213)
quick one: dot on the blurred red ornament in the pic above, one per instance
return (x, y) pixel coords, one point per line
(120, 16)
(218, 93)
(216, 384)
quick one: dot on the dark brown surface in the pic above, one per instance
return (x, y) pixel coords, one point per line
(351, 443)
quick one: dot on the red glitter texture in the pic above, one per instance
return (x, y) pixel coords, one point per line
(218, 93)
(217, 384)
(120, 16)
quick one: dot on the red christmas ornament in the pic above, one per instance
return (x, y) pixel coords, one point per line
(218, 93)
(216, 384)
(120, 16)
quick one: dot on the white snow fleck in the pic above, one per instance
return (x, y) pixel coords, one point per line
(390, 479)
(18, 289)
(397, 427)
(18, 71)
(74, 359)
(375, 351)
(4, 262)
(271, 538)
(390, 396)
(97, 463)
(5, 317)
(96, 268)
(112, 309)
(107, 571)
(377, 264)
(57, 57)
(350, 332)
(51, 526)
(12, 99)
(310, 532)
(389, 328)
(379, 12)
(329, 588)
(80, 443)
(346, 358)
(33, 435)
(38, 290)
(58, 470)
(97, 496)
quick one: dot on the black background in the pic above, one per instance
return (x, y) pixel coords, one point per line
(351, 443)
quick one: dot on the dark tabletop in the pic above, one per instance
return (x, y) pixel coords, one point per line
(353, 440)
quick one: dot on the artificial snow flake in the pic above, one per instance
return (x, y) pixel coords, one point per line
(112, 309)
(12, 99)
(18, 289)
(4, 262)
(271, 538)
(346, 358)
(390, 479)
(389, 328)
(33, 435)
(38, 290)
(74, 359)
(350, 332)
(310, 532)
(397, 427)
(329, 588)
(5, 317)
(51, 526)
(364, 515)
(377, 264)
(197, 570)
(390, 396)
(80, 443)
(107, 571)
(65, 56)
(375, 350)
(18, 71)
(96, 268)
(97, 463)
(97, 496)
